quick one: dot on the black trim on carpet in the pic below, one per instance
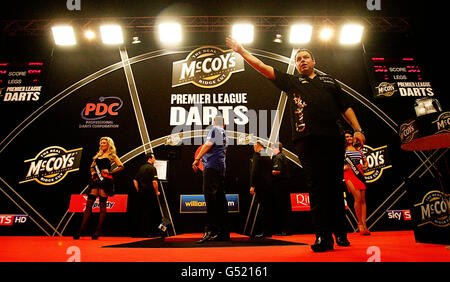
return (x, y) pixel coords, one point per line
(246, 242)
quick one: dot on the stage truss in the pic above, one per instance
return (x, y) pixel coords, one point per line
(139, 25)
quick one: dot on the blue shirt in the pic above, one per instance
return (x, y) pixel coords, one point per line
(215, 157)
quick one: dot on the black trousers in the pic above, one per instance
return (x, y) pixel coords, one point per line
(265, 197)
(148, 215)
(216, 202)
(322, 158)
(282, 205)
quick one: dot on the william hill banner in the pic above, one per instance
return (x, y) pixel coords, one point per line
(197, 204)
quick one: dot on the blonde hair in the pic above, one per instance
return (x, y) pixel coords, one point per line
(111, 149)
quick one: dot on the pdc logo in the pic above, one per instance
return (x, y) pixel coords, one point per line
(99, 110)
(206, 67)
(51, 165)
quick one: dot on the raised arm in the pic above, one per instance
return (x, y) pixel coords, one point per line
(256, 63)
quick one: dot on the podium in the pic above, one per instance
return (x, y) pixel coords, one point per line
(426, 132)
(430, 202)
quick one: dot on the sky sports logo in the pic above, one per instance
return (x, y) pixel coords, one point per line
(399, 214)
(13, 219)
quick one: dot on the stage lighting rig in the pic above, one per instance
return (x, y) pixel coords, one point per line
(64, 35)
(111, 34)
(170, 32)
(89, 34)
(300, 33)
(351, 34)
(243, 33)
(135, 40)
(326, 33)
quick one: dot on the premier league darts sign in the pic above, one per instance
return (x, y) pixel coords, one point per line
(21, 81)
(207, 67)
(397, 77)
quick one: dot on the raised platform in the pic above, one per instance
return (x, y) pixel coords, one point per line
(390, 246)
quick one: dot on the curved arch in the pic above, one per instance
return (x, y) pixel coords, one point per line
(150, 55)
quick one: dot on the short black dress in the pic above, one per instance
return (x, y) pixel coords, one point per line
(106, 182)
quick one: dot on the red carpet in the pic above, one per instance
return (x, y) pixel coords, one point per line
(392, 246)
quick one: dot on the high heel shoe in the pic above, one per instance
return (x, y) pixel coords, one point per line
(363, 230)
(360, 229)
(366, 232)
(94, 236)
(76, 236)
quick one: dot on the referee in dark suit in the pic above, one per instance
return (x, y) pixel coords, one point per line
(261, 185)
(146, 183)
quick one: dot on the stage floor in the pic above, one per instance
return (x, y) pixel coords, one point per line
(390, 246)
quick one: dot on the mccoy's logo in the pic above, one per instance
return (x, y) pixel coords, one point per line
(206, 67)
(51, 165)
(434, 209)
(386, 89)
(245, 139)
(407, 131)
(173, 139)
(443, 123)
(378, 160)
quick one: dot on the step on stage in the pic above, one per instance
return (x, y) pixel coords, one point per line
(389, 246)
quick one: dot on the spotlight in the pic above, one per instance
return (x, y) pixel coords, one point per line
(326, 33)
(170, 32)
(63, 35)
(278, 38)
(135, 40)
(89, 34)
(243, 33)
(351, 34)
(300, 33)
(111, 34)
